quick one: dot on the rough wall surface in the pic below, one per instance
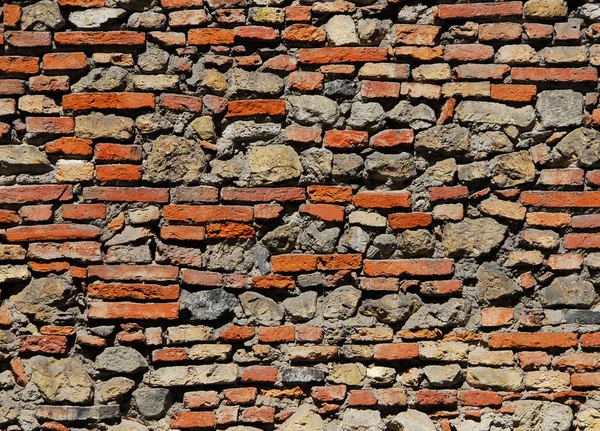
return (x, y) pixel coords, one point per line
(280, 215)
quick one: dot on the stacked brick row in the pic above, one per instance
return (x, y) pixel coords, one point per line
(253, 215)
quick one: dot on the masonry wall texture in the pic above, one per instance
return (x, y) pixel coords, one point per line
(289, 215)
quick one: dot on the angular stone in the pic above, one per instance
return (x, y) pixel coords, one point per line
(302, 307)
(443, 376)
(453, 313)
(546, 8)
(469, 111)
(541, 416)
(121, 360)
(361, 420)
(263, 309)
(509, 170)
(96, 18)
(14, 273)
(304, 419)
(273, 164)
(412, 420)
(492, 142)
(309, 110)
(417, 116)
(502, 379)
(341, 303)
(43, 15)
(242, 82)
(444, 351)
(395, 167)
(47, 300)
(341, 30)
(472, 237)
(207, 304)
(100, 79)
(114, 389)
(242, 131)
(570, 291)
(582, 146)
(416, 243)
(449, 139)
(174, 159)
(193, 375)
(61, 380)
(393, 308)
(17, 159)
(302, 375)
(560, 108)
(366, 116)
(99, 126)
(152, 403)
(347, 374)
(495, 283)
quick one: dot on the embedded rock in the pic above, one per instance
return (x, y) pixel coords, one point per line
(174, 159)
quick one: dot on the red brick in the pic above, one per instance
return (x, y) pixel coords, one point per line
(561, 177)
(207, 213)
(134, 272)
(267, 211)
(480, 10)
(540, 340)
(181, 102)
(590, 199)
(64, 61)
(258, 414)
(260, 374)
(263, 194)
(396, 352)
(391, 397)
(586, 221)
(273, 282)
(497, 316)
(326, 394)
(585, 380)
(293, 263)
(477, 398)
(392, 138)
(187, 18)
(297, 14)
(339, 261)
(277, 334)
(35, 193)
(379, 90)
(117, 152)
(118, 172)
(330, 194)
(437, 194)
(256, 107)
(15, 65)
(565, 262)
(342, 55)
(9, 217)
(435, 400)
(36, 213)
(87, 251)
(240, 396)
(237, 333)
(538, 32)
(229, 230)
(56, 232)
(413, 34)
(309, 334)
(548, 219)
(513, 92)
(379, 284)
(99, 38)
(112, 101)
(578, 361)
(201, 399)
(533, 360)
(256, 33)
(49, 267)
(50, 344)
(12, 87)
(210, 36)
(441, 287)
(362, 397)
(420, 53)
(306, 81)
(382, 200)
(553, 74)
(581, 240)
(416, 267)
(133, 310)
(409, 220)
(325, 212)
(187, 420)
(12, 15)
(126, 194)
(183, 233)
(181, 4)
(28, 39)
(70, 146)
(134, 291)
(82, 3)
(480, 71)
(346, 139)
(468, 52)
(49, 84)
(50, 125)
(500, 31)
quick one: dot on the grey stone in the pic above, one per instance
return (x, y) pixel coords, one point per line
(509, 170)
(339, 88)
(494, 282)
(472, 237)
(302, 375)
(570, 291)
(100, 79)
(395, 167)
(47, 300)
(8, 341)
(443, 376)
(302, 307)
(361, 420)
(14, 273)
(412, 420)
(469, 111)
(392, 308)
(372, 31)
(316, 165)
(492, 142)
(242, 131)
(156, 82)
(9, 408)
(61, 380)
(341, 303)
(129, 253)
(346, 166)
(455, 312)
(78, 413)
(43, 15)
(417, 116)
(318, 239)
(152, 403)
(96, 18)
(273, 164)
(242, 82)
(192, 375)
(204, 126)
(114, 389)
(207, 304)
(560, 108)
(582, 146)
(366, 116)
(153, 60)
(264, 310)
(127, 425)
(174, 159)
(355, 239)
(449, 139)
(129, 235)
(121, 360)
(540, 416)
(147, 21)
(17, 159)
(472, 172)
(502, 379)
(304, 419)
(309, 110)
(228, 257)
(282, 239)
(99, 126)
(416, 243)
(341, 30)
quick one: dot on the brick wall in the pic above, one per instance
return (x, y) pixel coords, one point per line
(271, 215)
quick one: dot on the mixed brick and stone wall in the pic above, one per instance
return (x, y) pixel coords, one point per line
(289, 215)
